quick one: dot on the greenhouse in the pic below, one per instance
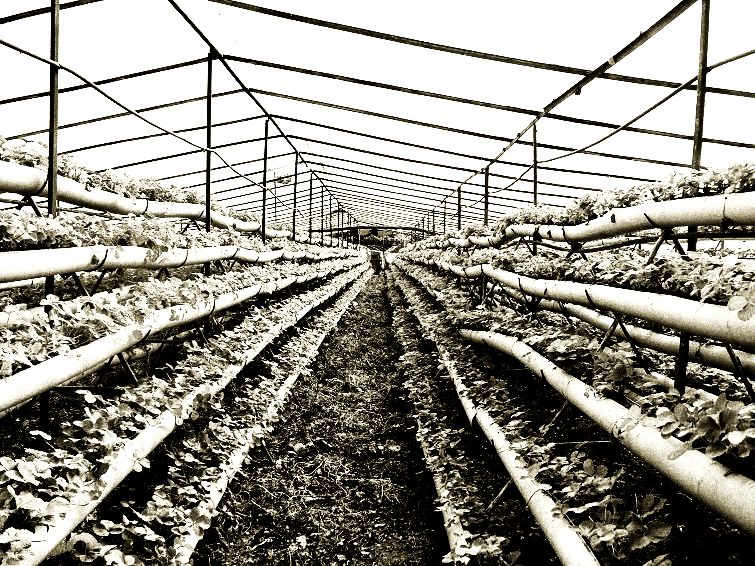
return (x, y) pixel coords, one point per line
(399, 283)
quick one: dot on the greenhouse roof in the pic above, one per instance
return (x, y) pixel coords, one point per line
(391, 106)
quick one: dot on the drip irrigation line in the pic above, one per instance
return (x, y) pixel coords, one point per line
(490, 187)
(42, 11)
(405, 172)
(218, 167)
(506, 108)
(575, 89)
(435, 164)
(382, 195)
(435, 194)
(523, 142)
(381, 138)
(124, 114)
(429, 148)
(190, 152)
(216, 181)
(152, 136)
(223, 61)
(470, 52)
(45, 94)
(653, 107)
(112, 99)
(463, 132)
(376, 204)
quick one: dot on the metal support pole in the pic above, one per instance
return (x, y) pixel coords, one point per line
(330, 220)
(433, 221)
(52, 144)
(322, 215)
(296, 182)
(264, 181)
(702, 71)
(444, 217)
(309, 240)
(534, 164)
(458, 208)
(486, 197)
(208, 155)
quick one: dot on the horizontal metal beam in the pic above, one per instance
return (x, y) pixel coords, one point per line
(467, 52)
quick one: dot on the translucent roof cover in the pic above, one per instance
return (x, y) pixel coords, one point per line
(393, 105)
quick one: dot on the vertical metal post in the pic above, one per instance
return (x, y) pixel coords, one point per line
(702, 72)
(330, 220)
(52, 145)
(309, 240)
(458, 208)
(322, 215)
(208, 155)
(486, 196)
(444, 216)
(264, 181)
(296, 182)
(433, 221)
(340, 226)
(534, 164)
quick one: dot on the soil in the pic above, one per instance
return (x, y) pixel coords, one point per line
(341, 480)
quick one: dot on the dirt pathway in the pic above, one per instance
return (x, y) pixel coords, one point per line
(341, 480)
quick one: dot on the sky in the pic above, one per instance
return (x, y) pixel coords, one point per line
(114, 37)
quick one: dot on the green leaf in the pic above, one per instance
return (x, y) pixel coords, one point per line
(735, 437)
(737, 303)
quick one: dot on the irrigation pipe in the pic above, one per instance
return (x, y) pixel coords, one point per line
(729, 493)
(736, 209)
(30, 264)
(184, 545)
(565, 541)
(716, 322)
(15, 178)
(455, 531)
(133, 451)
(26, 384)
(706, 354)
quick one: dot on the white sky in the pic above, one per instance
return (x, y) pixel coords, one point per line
(114, 37)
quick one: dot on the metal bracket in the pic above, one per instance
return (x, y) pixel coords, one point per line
(576, 248)
(667, 234)
(28, 201)
(740, 372)
(680, 365)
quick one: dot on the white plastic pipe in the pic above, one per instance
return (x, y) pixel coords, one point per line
(565, 541)
(738, 209)
(28, 264)
(184, 545)
(136, 449)
(20, 179)
(684, 315)
(729, 493)
(24, 385)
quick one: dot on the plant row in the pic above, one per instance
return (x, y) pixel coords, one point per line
(601, 497)
(617, 368)
(23, 265)
(707, 278)
(473, 533)
(702, 198)
(76, 335)
(28, 181)
(48, 493)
